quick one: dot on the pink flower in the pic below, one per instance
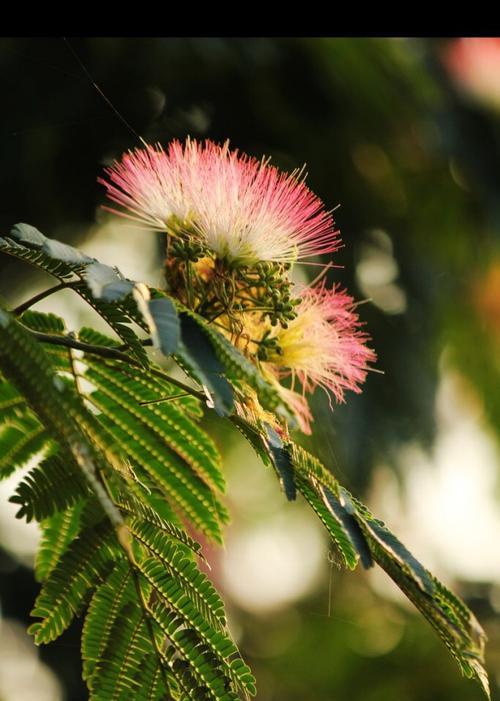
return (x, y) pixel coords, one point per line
(242, 209)
(474, 63)
(323, 347)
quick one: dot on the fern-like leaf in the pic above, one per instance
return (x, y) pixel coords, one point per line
(455, 624)
(12, 404)
(210, 652)
(20, 440)
(49, 488)
(194, 583)
(134, 507)
(69, 585)
(332, 524)
(453, 621)
(166, 420)
(58, 532)
(235, 366)
(156, 628)
(28, 244)
(84, 537)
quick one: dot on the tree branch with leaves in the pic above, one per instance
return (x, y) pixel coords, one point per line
(125, 470)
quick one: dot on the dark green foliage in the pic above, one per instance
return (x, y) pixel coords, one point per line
(24, 244)
(453, 621)
(337, 532)
(67, 588)
(134, 507)
(45, 323)
(80, 548)
(20, 439)
(195, 585)
(397, 550)
(58, 532)
(199, 356)
(49, 488)
(12, 404)
(350, 525)
(124, 464)
(282, 462)
(229, 361)
(165, 317)
(358, 535)
(105, 283)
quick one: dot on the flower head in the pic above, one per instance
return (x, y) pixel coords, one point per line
(242, 209)
(236, 226)
(323, 346)
(474, 64)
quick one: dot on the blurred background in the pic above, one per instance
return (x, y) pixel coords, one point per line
(403, 135)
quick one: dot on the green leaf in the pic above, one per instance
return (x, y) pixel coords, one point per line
(12, 404)
(70, 268)
(351, 526)
(333, 525)
(185, 490)
(105, 283)
(164, 315)
(235, 366)
(166, 419)
(69, 585)
(127, 653)
(46, 323)
(27, 234)
(152, 437)
(49, 488)
(30, 236)
(198, 354)
(65, 253)
(207, 650)
(256, 436)
(118, 315)
(399, 552)
(453, 621)
(282, 462)
(58, 532)
(118, 671)
(450, 617)
(187, 575)
(134, 507)
(20, 440)
(116, 591)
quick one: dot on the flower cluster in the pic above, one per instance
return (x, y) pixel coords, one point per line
(243, 209)
(474, 65)
(235, 226)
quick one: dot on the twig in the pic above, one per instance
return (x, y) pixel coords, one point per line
(41, 295)
(112, 354)
(164, 399)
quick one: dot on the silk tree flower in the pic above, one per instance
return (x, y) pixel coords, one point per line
(242, 209)
(474, 64)
(323, 347)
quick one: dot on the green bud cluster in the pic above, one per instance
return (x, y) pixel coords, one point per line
(268, 347)
(264, 288)
(187, 250)
(273, 285)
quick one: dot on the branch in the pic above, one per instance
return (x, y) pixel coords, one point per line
(41, 295)
(143, 341)
(112, 354)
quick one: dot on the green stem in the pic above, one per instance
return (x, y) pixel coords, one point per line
(113, 354)
(164, 399)
(147, 615)
(144, 342)
(189, 284)
(41, 295)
